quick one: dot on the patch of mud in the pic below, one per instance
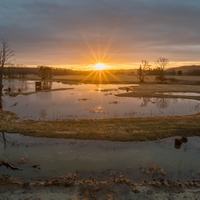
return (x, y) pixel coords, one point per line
(93, 190)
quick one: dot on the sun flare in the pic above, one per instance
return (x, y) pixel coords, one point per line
(100, 66)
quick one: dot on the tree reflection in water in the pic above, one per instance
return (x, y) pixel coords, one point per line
(4, 139)
(145, 101)
(6, 144)
(161, 103)
(20, 86)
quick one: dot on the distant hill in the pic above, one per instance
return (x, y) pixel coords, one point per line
(185, 69)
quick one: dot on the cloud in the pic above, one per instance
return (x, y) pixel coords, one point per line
(120, 31)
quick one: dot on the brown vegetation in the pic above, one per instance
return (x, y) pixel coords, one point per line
(133, 129)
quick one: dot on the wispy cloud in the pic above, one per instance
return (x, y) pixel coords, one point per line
(78, 32)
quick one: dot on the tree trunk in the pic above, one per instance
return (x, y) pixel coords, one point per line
(1, 88)
(5, 55)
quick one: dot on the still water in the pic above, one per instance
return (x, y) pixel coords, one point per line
(62, 156)
(86, 101)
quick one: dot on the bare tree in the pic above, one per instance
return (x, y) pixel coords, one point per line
(143, 70)
(5, 54)
(45, 72)
(161, 64)
(21, 71)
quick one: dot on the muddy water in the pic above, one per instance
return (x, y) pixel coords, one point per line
(96, 158)
(87, 101)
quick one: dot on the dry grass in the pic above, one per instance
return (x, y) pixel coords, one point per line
(125, 78)
(134, 129)
(120, 79)
(185, 78)
(152, 90)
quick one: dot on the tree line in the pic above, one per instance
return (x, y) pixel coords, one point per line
(160, 70)
(145, 69)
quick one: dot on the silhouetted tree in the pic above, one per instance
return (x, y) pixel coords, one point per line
(161, 64)
(10, 72)
(5, 54)
(45, 72)
(21, 71)
(154, 71)
(179, 72)
(171, 72)
(143, 70)
(193, 72)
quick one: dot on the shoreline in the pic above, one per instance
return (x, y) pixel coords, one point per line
(111, 189)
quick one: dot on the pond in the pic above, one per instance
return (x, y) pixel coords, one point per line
(87, 158)
(86, 101)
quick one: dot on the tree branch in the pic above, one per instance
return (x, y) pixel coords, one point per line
(8, 165)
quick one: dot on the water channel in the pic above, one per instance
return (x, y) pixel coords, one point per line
(57, 157)
(86, 101)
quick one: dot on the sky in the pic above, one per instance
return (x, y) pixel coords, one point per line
(77, 34)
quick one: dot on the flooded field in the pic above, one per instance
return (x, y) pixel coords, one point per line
(96, 159)
(87, 101)
(42, 158)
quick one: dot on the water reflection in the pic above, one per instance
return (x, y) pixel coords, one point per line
(62, 156)
(4, 139)
(98, 109)
(91, 101)
(5, 144)
(146, 101)
(43, 85)
(16, 86)
(179, 141)
(161, 103)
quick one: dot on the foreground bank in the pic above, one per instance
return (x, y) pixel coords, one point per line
(100, 191)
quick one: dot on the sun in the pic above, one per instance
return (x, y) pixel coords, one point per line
(100, 66)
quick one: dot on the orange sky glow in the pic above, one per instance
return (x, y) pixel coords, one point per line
(79, 34)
